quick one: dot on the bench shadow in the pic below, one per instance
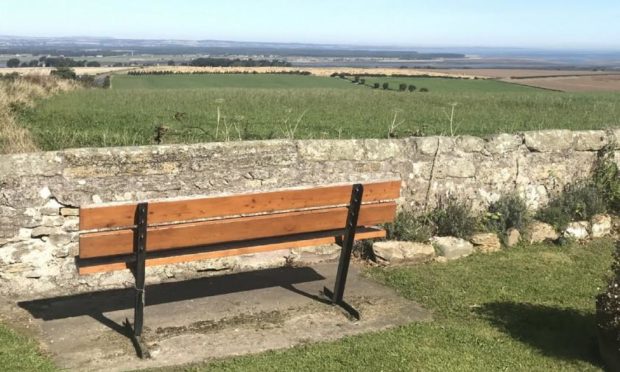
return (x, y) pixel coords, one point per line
(561, 333)
(95, 304)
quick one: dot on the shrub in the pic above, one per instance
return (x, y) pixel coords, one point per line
(424, 90)
(376, 85)
(402, 87)
(409, 227)
(356, 79)
(606, 177)
(608, 306)
(412, 88)
(65, 73)
(363, 81)
(579, 201)
(386, 86)
(453, 217)
(509, 212)
(107, 82)
(93, 64)
(87, 80)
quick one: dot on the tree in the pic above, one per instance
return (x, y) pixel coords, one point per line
(33, 63)
(13, 62)
(93, 64)
(386, 86)
(402, 87)
(171, 63)
(412, 88)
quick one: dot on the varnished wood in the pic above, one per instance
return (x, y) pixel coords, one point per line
(160, 212)
(235, 249)
(111, 243)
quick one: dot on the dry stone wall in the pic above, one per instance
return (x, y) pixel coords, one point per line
(40, 193)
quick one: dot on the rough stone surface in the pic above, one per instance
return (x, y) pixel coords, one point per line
(486, 242)
(549, 140)
(590, 140)
(513, 237)
(577, 230)
(396, 251)
(539, 232)
(600, 226)
(452, 248)
(41, 193)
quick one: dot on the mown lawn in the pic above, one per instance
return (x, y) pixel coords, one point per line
(526, 309)
(253, 107)
(18, 353)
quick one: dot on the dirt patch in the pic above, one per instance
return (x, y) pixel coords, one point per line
(262, 320)
(517, 73)
(593, 83)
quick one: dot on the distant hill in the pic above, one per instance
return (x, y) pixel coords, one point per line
(80, 46)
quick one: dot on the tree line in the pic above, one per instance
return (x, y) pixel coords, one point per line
(51, 62)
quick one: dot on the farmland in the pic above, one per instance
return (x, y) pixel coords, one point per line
(219, 107)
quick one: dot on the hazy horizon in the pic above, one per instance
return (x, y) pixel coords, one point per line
(554, 25)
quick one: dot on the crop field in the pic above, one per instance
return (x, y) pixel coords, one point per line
(248, 81)
(220, 107)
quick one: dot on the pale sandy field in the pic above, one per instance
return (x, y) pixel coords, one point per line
(592, 83)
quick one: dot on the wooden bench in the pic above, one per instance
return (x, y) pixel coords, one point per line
(135, 235)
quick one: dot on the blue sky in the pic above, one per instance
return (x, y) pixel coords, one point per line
(568, 24)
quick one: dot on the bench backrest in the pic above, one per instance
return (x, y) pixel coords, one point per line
(108, 230)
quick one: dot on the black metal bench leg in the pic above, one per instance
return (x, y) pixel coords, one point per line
(336, 297)
(135, 333)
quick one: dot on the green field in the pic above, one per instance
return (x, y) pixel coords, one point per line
(528, 308)
(248, 81)
(263, 106)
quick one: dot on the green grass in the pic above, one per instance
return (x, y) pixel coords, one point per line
(18, 353)
(440, 85)
(247, 81)
(328, 108)
(523, 309)
(526, 309)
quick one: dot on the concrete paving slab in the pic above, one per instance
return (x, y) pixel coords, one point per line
(210, 318)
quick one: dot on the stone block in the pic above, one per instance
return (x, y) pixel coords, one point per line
(539, 232)
(452, 248)
(513, 237)
(486, 242)
(42, 231)
(470, 144)
(503, 143)
(549, 140)
(600, 226)
(398, 251)
(66, 212)
(577, 230)
(590, 140)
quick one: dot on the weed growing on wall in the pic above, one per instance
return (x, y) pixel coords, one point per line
(579, 201)
(409, 227)
(508, 212)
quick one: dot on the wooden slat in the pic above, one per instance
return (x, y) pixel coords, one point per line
(112, 243)
(118, 216)
(238, 249)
